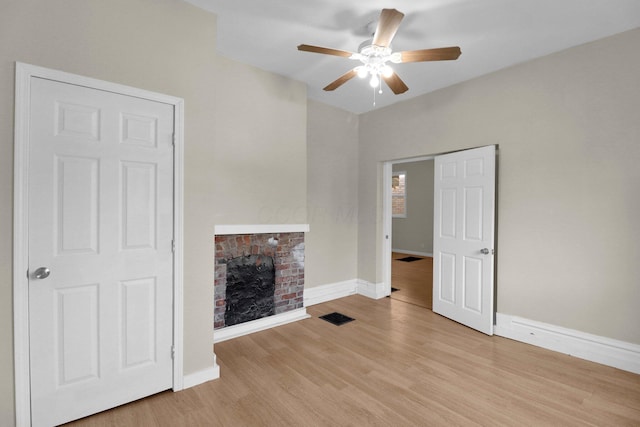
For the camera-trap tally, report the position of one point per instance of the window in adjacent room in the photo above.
(399, 194)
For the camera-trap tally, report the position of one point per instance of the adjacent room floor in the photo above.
(396, 364)
(413, 280)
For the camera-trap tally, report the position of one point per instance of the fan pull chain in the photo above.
(379, 90)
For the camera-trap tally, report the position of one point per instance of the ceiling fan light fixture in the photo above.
(362, 71)
(396, 57)
(375, 80)
(387, 71)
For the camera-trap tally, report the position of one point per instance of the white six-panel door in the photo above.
(463, 239)
(101, 223)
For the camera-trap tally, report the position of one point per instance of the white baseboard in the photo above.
(606, 351)
(196, 378)
(331, 291)
(372, 290)
(259, 325)
(404, 251)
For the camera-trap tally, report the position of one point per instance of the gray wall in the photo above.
(245, 131)
(415, 232)
(568, 131)
(332, 148)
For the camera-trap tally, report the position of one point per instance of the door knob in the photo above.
(485, 251)
(41, 273)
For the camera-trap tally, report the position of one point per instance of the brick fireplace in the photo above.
(258, 250)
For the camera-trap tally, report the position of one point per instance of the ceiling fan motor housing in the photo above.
(374, 59)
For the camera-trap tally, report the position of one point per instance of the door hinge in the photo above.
(173, 352)
(173, 246)
(173, 140)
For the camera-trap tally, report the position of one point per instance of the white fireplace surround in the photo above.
(266, 322)
(221, 230)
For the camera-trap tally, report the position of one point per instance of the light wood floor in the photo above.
(414, 280)
(397, 364)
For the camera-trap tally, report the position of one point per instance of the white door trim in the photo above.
(387, 225)
(24, 74)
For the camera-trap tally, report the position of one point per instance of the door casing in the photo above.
(24, 74)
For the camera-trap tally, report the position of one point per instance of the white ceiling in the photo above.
(492, 34)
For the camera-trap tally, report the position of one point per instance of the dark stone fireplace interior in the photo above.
(251, 284)
(244, 289)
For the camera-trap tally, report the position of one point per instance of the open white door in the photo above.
(463, 238)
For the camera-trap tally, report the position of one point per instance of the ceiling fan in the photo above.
(375, 53)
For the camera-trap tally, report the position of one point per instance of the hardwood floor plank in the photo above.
(397, 364)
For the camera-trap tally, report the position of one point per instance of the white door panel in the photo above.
(464, 217)
(101, 220)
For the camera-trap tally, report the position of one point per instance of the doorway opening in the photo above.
(410, 255)
(463, 235)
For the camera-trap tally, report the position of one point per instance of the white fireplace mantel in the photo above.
(220, 230)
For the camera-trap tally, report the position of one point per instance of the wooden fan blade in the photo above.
(341, 80)
(396, 84)
(439, 54)
(387, 26)
(324, 50)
